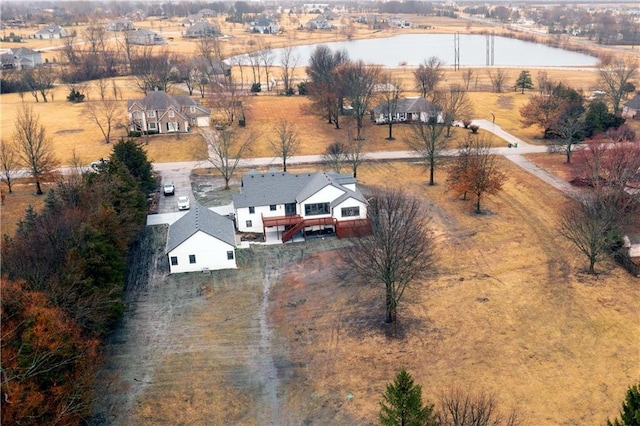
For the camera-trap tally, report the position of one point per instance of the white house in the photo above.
(407, 110)
(287, 204)
(631, 109)
(264, 25)
(319, 23)
(52, 32)
(160, 112)
(201, 240)
(20, 59)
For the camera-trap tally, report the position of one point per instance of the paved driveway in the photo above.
(180, 176)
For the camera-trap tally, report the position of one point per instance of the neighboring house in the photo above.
(202, 29)
(52, 32)
(160, 112)
(408, 110)
(20, 59)
(119, 25)
(632, 243)
(144, 37)
(398, 22)
(631, 109)
(207, 13)
(264, 25)
(191, 20)
(319, 23)
(201, 240)
(204, 69)
(287, 204)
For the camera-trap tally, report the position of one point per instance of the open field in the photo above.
(509, 311)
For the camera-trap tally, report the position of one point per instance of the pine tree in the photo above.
(402, 405)
(524, 81)
(630, 413)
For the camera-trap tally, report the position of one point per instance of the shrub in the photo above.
(474, 128)
(466, 123)
(75, 96)
(302, 88)
(256, 87)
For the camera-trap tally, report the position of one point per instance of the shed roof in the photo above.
(634, 103)
(202, 219)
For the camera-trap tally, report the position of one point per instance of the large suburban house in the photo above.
(285, 204)
(631, 109)
(160, 112)
(201, 240)
(408, 110)
(264, 25)
(202, 29)
(319, 23)
(119, 25)
(51, 32)
(20, 59)
(144, 37)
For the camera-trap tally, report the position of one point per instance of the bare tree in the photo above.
(39, 81)
(184, 73)
(101, 84)
(224, 150)
(238, 62)
(570, 129)
(289, 60)
(226, 101)
(458, 408)
(390, 94)
(428, 75)
(428, 140)
(455, 104)
(498, 79)
(592, 227)
(8, 161)
(354, 155)
(325, 88)
(266, 58)
(286, 143)
(358, 80)
(254, 62)
(106, 114)
(467, 76)
(399, 251)
(151, 72)
(335, 155)
(615, 78)
(34, 147)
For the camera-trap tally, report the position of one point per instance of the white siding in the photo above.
(242, 215)
(350, 202)
(210, 252)
(202, 121)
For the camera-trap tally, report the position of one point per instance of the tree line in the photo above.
(62, 287)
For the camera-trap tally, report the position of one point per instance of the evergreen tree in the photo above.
(402, 405)
(134, 157)
(630, 413)
(524, 81)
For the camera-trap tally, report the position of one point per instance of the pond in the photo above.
(412, 49)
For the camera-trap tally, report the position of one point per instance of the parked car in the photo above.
(183, 203)
(169, 189)
(99, 163)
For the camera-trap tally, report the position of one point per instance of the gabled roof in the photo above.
(203, 27)
(634, 103)
(51, 29)
(409, 105)
(263, 189)
(23, 51)
(160, 101)
(200, 219)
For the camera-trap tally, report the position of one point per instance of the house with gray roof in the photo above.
(52, 32)
(407, 110)
(20, 59)
(319, 23)
(264, 25)
(202, 29)
(144, 37)
(119, 25)
(631, 109)
(160, 112)
(285, 205)
(201, 240)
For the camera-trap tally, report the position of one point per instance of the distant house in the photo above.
(144, 37)
(319, 23)
(160, 112)
(201, 240)
(213, 67)
(191, 20)
(408, 110)
(207, 13)
(51, 32)
(264, 25)
(20, 59)
(285, 205)
(631, 109)
(202, 29)
(119, 25)
(632, 243)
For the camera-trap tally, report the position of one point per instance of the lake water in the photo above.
(412, 49)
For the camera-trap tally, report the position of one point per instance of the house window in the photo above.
(316, 209)
(152, 125)
(192, 110)
(350, 211)
(151, 113)
(252, 210)
(171, 114)
(249, 224)
(172, 126)
(174, 260)
(230, 255)
(192, 258)
(272, 207)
